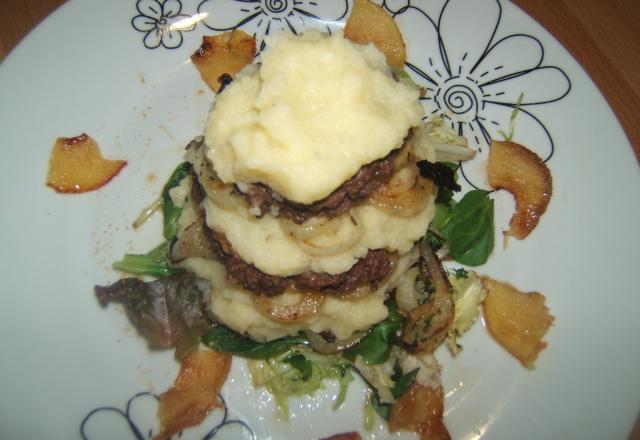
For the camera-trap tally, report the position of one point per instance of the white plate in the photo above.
(92, 67)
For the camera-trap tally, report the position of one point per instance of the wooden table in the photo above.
(603, 36)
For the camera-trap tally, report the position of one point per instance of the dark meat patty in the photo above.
(371, 271)
(360, 186)
(264, 200)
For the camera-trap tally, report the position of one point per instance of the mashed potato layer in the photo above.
(317, 110)
(235, 308)
(264, 243)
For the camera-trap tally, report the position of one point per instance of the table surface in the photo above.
(602, 35)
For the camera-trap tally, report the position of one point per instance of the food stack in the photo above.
(305, 202)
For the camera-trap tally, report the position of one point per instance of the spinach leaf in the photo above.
(223, 339)
(153, 263)
(299, 361)
(442, 215)
(468, 228)
(170, 211)
(376, 346)
(403, 383)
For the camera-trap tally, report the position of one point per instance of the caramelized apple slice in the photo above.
(517, 320)
(225, 53)
(369, 23)
(420, 410)
(194, 393)
(76, 165)
(521, 172)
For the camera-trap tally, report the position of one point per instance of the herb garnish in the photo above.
(154, 263)
(223, 339)
(170, 211)
(376, 346)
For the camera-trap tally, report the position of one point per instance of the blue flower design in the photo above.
(473, 79)
(162, 23)
(261, 17)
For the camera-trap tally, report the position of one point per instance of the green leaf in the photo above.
(460, 273)
(435, 241)
(223, 339)
(369, 415)
(469, 230)
(381, 408)
(298, 361)
(287, 375)
(153, 263)
(376, 346)
(442, 215)
(170, 211)
(345, 377)
(403, 383)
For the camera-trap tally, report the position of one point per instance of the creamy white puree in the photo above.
(233, 306)
(263, 242)
(317, 110)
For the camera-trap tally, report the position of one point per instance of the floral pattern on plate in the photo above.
(476, 82)
(133, 419)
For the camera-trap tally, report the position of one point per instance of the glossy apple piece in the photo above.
(369, 23)
(194, 393)
(521, 172)
(76, 165)
(225, 53)
(420, 410)
(517, 320)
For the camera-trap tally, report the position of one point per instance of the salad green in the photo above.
(153, 263)
(298, 372)
(468, 227)
(171, 213)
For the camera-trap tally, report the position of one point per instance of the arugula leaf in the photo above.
(170, 211)
(403, 383)
(224, 339)
(381, 408)
(468, 228)
(153, 263)
(376, 346)
(298, 361)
